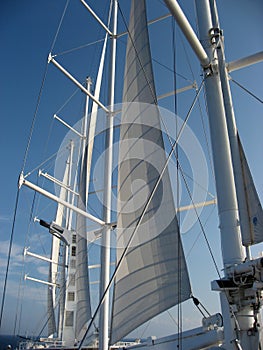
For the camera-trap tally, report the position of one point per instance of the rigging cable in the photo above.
(41, 164)
(34, 118)
(200, 306)
(200, 109)
(245, 89)
(79, 47)
(200, 223)
(172, 70)
(173, 319)
(207, 242)
(41, 89)
(187, 186)
(59, 26)
(200, 232)
(145, 329)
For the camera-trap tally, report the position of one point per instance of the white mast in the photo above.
(231, 125)
(105, 241)
(240, 322)
(238, 319)
(225, 186)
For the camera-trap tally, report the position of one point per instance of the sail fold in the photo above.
(153, 275)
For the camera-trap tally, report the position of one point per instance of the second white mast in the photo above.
(105, 241)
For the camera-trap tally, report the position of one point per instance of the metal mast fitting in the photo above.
(188, 31)
(23, 181)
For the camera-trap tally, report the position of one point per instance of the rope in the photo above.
(41, 164)
(171, 70)
(245, 89)
(34, 118)
(172, 318)
(59, 26)
(201, 225)
(187, 56)
(200, 232)
(195, 209)
(200, 108)
(145, 329)
(78, 47)
(68, 100)
(41, 90)
(189, 193)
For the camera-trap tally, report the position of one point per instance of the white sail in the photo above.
(83, 312)
(254, 208)
(78, 311)
(53, 269)
(153, 275)
(83, 294)
(93, 115)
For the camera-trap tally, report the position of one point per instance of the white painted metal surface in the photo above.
(188, 31)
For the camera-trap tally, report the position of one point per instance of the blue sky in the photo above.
(27, 30)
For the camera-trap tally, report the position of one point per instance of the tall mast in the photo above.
(239, 313)
(231, 125)
(225, 186)
(238, 317)
(105, 241)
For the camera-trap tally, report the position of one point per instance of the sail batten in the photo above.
(153, 274)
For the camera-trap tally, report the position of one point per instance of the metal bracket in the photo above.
(215, 34)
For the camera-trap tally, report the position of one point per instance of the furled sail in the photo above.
(53, 268)
(78, 322)
(93, 115)
(153, 275)
(254, 208)
(83, 293)
(83, 312)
